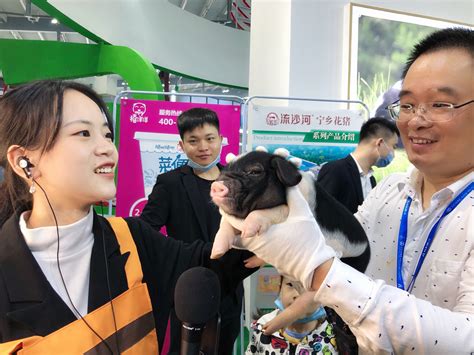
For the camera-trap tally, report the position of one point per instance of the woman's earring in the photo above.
(32, 187)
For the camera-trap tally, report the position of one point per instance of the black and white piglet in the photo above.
(258, 180)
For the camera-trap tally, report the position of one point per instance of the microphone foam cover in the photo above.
(197, 295)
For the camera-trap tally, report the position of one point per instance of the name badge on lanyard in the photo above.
(403, 231)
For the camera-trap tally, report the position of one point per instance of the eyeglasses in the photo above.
(432, 111)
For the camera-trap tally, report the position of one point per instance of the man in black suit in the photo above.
(180, 201)
(350, 179)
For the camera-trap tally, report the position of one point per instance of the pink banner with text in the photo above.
(149, 146)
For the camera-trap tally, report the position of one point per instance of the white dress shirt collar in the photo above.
(414, 180)
(361, 172)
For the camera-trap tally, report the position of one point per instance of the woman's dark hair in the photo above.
(31, 117)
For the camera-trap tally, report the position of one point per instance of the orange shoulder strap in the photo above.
(133, 266)
(132, 306)
(12, 347)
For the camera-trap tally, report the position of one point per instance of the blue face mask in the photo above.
(204, 168)
(296, 335)
(382, 162)
(279, 304)
(318, 313)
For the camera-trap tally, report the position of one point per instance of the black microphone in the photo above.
(197, 297)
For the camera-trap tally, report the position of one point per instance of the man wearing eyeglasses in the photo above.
(417, 295)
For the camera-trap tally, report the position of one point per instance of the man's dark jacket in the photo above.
(341, 179)
(177, 203)
(29, 305)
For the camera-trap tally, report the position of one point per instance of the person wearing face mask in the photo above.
(416, 296)
(311, 334)
(350, 179)
(72, 281)
(180, 201)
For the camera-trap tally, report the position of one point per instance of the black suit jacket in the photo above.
(177, 203)
(341, 179)
(30, 306)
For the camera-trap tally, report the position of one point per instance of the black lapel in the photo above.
(355, 176)
(373, 182)
(98, 284)
(197, 202)
(29, 292)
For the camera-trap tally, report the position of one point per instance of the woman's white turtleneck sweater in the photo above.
(75, 249)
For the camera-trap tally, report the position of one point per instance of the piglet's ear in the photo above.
(286, 172)
(282, 152)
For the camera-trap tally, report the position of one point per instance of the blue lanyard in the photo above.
(402, 236)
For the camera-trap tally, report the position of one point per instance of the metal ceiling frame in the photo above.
(20, 19)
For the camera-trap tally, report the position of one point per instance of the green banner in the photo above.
(349, 137)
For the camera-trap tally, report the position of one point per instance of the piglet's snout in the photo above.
(218, 192)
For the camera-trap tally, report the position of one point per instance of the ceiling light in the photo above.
(54, 21)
